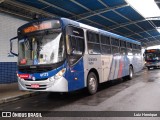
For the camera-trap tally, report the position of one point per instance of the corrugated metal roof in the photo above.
(111, 15)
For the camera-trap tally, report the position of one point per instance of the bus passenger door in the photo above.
(75, 51)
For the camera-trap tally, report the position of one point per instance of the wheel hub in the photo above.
(131, 73)
(92, 83)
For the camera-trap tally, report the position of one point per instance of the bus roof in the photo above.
(75, 23)
(66, 22)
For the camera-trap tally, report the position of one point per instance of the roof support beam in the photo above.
(125, 18)
(9, 12)
(97, 12)
(150, 37)
(119, 15)
(141, 32)
(91, 11)
(49, 4)
(125, 24)
(100, 14)
(28, 8)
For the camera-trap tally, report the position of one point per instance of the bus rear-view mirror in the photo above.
(13, 46)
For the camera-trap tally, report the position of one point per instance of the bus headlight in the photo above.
(60, 73)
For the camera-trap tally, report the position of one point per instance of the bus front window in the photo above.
(41, 49)
(152, 56)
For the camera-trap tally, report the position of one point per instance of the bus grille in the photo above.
(36, 88)
(36, 79)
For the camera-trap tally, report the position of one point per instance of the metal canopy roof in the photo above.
(112, 15)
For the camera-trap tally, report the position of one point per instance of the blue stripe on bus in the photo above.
(117, 71)
(76, 71)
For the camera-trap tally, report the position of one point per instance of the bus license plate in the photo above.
(34, 85)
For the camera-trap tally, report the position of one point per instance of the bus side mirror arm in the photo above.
(11, 46)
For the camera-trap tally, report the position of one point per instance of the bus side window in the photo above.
(123, 50)
(115, 45)
(115, 49)
(105, 45)
(115, 42)
(140, 47)
(129, 48)
(134, 49)
(74, 39)
(93, 43)
(75, 43)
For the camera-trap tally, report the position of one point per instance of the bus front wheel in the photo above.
(148, 68)
(92, 83)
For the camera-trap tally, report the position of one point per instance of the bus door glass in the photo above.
(75, 44)
(75, 50)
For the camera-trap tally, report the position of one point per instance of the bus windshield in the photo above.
(41, 49)
(152, 56)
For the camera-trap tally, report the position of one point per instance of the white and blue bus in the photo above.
(152, 58)
(62, 55)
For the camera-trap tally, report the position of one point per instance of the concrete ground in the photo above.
(139, 94)
(10, 92)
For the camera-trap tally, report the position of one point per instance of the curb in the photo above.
(15, 98)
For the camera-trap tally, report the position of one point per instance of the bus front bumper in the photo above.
(59, 85)
(153, 65)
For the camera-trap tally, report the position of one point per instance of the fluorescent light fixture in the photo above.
(158, 29)
(147, 8)
(154, 47)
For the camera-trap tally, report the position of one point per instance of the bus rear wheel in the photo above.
(130, 76)
(92, 83)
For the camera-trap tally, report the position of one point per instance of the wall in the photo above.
(8, 30)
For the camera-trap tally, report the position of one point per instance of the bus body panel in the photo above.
(126, 60)
(60, 85)
(119, 67)
(106, 65)
(43, 80)
(138, 63)
(94, 62)
(85, 58)
(73, 79)
(115, 66)
(75, 76)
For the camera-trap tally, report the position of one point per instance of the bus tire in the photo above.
(148, 68)
(130, 76)
(92, 83)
